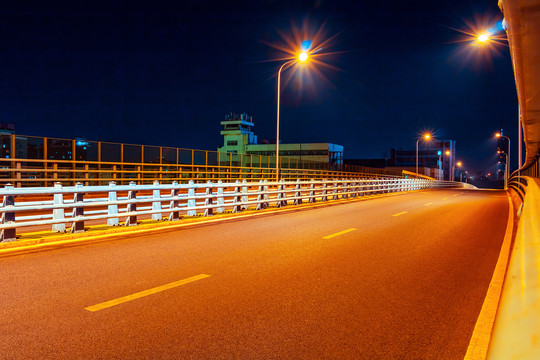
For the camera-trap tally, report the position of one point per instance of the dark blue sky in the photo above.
(166, 73)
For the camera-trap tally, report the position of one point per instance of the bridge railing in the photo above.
(29, 161)
(59, 206)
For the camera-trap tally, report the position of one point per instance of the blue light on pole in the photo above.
(306, 45)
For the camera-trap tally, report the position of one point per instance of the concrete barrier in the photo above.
(516, 333)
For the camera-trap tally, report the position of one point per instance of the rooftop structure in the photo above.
(238, 138)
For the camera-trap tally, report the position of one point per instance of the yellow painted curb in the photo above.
(479, 343)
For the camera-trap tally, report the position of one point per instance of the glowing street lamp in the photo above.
(426, 137)
(459, 164)
(484, 37)
(302, 58)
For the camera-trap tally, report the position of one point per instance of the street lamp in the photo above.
(426, 137)
(459, 164)
(302, 57)
(500, 135)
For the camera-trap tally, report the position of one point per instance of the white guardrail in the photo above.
(25, 207)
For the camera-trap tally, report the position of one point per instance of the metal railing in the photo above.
(29, 161)
(57, 206)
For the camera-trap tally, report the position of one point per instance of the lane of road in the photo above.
(396, 277)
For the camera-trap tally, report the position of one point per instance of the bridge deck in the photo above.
(394, 277)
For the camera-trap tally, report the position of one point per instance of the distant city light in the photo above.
(447, 152)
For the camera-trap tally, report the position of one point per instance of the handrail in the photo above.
(112, 202)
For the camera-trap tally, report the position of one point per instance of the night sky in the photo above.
(166, 73)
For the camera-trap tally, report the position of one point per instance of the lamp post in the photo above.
(500, 135)
(459, 164)
(426, 137)
(302, 57)
(450, 166)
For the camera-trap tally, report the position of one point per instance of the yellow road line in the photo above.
(445, 198)
(428, 204)
(141, 294)
(401, 213)
(455, 195)
(338, 233)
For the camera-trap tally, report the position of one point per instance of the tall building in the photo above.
(502, 159)
(238, 138)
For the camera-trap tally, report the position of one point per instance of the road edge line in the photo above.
(483, 329)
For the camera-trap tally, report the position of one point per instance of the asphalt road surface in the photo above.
(399, 277)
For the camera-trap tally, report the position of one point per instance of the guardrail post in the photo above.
(237, 198)
(312, 191)
(335, 190)
(131, 219)
(324, 191)
(156, 204)
(8, 217)
(298, 193)
(266, 195)
(208, 201)
(191, 203)
(58, 214)
(281, 196)
(245, 198)
(220, 198)
(173, 205)
(261, 204)
(113, 208)
(78, 212)
(345, 188)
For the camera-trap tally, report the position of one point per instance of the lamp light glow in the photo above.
(483, 37)
(303, 56)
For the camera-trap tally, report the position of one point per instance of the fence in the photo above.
(29, 161)
(57, 206)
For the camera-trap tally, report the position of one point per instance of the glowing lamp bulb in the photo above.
(483, 37)
(427, 136)
(303, 56)
(498, 134)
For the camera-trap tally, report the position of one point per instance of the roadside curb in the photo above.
(479, 343)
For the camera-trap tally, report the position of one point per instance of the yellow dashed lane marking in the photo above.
(445, 198)
(338, 233)
(456, 195)
(141, 294)
(401, 213)
(428, 204)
